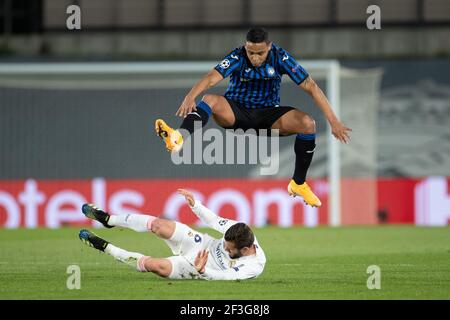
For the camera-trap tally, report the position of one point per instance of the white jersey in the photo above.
(220, 266)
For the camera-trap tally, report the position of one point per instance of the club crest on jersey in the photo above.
(225, 64)
(271, 71)
(190, 234)
(232, 263)
(223, 222)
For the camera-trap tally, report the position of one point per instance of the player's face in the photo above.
(233, 252)
(257, 52)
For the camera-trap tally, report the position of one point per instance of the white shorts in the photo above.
(185, 244)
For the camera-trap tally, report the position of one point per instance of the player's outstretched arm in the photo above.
(206, 215)
(211, 79)
(339, 130)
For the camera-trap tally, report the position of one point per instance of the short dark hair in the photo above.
(257, 35)
(240, 234)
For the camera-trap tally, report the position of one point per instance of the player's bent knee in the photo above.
(308, 124)
(163, 228)
(157, 225)
(161, 267)
(210, 99)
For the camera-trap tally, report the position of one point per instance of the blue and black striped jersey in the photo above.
(257, 87)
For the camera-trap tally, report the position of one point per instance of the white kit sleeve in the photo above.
(210, 218)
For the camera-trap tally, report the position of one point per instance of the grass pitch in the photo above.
(319, 263)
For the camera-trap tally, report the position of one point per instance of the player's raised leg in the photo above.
(173, 233)
(211, 105)
(173, 138)
(138, 222)
(93, 212)
(301, 124)
(178, 236)
(138, 261)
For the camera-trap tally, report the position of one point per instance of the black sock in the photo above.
(304, 151)
(202, 114)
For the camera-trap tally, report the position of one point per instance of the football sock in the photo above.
(202, 114)
(136, 222)
(304, 151)
(133, 259)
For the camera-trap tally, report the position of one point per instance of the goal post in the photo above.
(165, 74)
(334, 172)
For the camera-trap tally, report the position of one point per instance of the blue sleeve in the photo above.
(230, 63)
(291, 67)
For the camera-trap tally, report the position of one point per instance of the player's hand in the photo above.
(340, 131)
(188, 195)
(187, 106)
(200, 261)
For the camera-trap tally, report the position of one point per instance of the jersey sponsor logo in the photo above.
(225, 64)
(197, 238)
(234, 57)
(219, 256)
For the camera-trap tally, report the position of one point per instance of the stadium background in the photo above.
(71, 137)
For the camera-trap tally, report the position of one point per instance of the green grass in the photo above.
(319, 263)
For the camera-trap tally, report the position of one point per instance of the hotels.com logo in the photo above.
(52, 204)
(63, 206)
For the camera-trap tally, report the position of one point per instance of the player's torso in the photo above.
(219, 259)
(255, 86)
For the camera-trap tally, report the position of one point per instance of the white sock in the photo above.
(136, 222)
(127, 257)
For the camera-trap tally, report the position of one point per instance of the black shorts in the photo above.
(261, 118)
